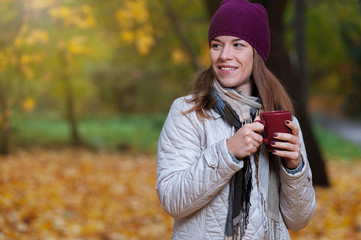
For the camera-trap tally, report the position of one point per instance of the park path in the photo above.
(345, 128)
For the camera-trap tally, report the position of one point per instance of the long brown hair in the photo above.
(270, 89)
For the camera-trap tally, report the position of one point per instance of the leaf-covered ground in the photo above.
(75, 195)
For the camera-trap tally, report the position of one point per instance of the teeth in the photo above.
(227, 68)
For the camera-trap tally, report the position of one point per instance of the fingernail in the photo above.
(275, 134)
(274, 151)
(273, 143)
(287, 122)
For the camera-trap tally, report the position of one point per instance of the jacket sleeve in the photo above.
(297, 195)
(189, 177)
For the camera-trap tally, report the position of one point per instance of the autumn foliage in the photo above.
(78, 194)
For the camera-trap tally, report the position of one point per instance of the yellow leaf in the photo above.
(133, 12)
(38, 36)
(25, 59)
(138, 10)
(144, 42)
(204, 58)
(178, 56)
(76, 45)
(28, 104)
(40, 4)
(133, 20)
(124, 19)
(62, 12)
(83, 17)
(18, 42)
(28, 72)
(37, 57)
(127, 36)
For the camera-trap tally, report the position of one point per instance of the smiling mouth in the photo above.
(227, 68)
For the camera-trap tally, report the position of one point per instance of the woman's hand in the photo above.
(246, 140)
(290, 148)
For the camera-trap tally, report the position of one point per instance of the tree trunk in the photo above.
(10, 28)
(300, 8)
(69, 102)
(212, 6)
(294, 80)
(279, 63)
(4, 124)
(317, 163)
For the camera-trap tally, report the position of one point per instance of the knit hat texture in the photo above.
(247, 21)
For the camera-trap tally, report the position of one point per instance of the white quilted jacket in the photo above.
(193, 173)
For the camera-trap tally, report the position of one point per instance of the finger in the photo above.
(257, 127)
(286, 146)
(253, 148)
(258, 138)
(286, 137)
(248, 149)
(254, 135)
(287, 154)
(251, 128)
(293, 127)
(253, 142)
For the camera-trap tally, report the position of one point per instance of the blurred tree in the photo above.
(152, 63)
(212, 6)
(20, 40)
(334, 54)
(351, 34)
(11, 21)
(176, 27)
(71, 19)
(295, 81)
(140, 54)
(65, 77)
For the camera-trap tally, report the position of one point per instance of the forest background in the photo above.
(100, 76)
(76, 63)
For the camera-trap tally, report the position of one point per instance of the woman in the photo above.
(214, 175)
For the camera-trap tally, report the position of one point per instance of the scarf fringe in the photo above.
(271, 227)
(273, 231)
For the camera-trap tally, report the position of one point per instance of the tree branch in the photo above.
(175, 25)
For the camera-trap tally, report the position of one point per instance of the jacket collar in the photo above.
(214, 114)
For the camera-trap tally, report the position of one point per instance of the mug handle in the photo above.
(265, 140)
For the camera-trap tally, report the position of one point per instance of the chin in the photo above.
(227, 84)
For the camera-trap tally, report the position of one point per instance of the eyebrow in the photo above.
(234, 40)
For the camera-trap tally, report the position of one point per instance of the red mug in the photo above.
(274, 122)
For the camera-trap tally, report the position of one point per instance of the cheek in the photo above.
(249, 60)
(213, 57)
(250, 65)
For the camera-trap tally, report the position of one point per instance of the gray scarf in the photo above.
(237, 110)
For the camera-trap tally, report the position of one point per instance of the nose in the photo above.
(226, 53)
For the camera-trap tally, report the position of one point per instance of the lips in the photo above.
(227, 68)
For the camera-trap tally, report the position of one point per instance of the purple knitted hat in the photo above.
(247, 21)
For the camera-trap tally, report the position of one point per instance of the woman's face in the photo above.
(232, 61)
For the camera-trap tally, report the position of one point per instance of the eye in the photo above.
(216, 45)
(238, 45)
